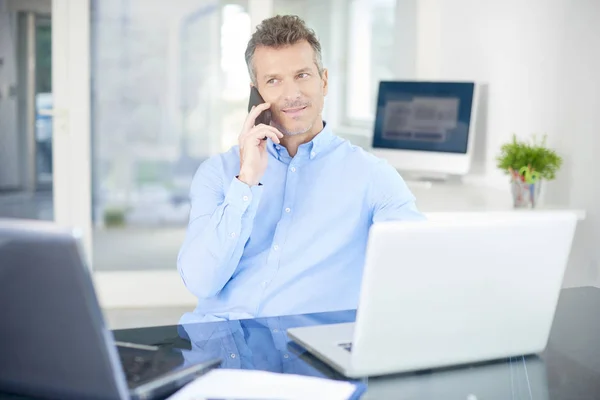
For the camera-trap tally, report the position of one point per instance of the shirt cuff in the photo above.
(243, 197)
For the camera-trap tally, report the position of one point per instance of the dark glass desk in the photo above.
(568, 369)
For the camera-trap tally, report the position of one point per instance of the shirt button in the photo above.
(275, 330)
(276, 247)
(265, 283)
(232, 234)
(293, 169)
(313, 154)
(232, 355)
(287, 210)
(245, 198)
(286, 356)
(278, 147)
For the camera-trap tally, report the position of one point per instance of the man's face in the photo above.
(288, 78)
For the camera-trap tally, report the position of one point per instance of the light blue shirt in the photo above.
(294, 244)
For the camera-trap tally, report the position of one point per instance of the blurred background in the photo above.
(108, 107)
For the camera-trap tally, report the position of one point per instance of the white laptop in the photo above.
(456, 289)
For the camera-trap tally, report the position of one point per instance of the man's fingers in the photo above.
(263, 144)
(259, 108)
(261, 132)
(270, 128)
(268, 133)
(253, 114)
(258, 136)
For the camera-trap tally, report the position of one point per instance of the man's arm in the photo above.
(390, 198)
(221, 218)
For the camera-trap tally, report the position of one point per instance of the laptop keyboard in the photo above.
(141, 365)
(346, 346)
(137, 364)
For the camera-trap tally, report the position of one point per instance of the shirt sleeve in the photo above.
(390, 198)
(221, 218)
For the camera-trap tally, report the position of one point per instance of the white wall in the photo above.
(9, 138)
(510, 45)
(579, 132)
(541, 60)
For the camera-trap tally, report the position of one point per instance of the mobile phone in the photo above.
(256, 99)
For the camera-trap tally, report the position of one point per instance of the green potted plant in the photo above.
(114, 217)
(528, 164)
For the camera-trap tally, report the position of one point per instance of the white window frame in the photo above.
(359, 41)
(71, 117)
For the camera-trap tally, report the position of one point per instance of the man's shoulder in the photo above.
(221, 160)
(217, 166)
(361, 156)
(233, 154)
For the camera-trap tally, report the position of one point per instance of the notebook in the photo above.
(235, 384)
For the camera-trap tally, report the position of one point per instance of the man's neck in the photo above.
(292, 142)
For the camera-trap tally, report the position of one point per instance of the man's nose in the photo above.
(291, 90)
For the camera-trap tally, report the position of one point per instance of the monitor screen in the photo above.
(424, 116)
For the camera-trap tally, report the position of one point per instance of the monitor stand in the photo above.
(428, 179)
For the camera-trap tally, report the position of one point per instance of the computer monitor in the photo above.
(426, 127)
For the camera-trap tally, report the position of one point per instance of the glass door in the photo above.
(25, 98)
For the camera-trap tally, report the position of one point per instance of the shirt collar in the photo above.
(319, 144)
(322, 141)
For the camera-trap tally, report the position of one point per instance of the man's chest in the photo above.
(310, 199)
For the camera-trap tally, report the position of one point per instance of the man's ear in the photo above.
(325, 78)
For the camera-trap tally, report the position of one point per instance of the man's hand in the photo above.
(253, 149)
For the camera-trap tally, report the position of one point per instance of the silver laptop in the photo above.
(53, 339)
(456, 289)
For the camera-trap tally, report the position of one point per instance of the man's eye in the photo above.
(303, 75)
(271, 81)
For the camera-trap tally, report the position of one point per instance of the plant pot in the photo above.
(525, 195)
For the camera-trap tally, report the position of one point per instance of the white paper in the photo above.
(250, 384)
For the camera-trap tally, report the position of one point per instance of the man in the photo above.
(279, 224)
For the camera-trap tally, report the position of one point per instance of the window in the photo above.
(170, 89)
(370, 56)
(235, 33)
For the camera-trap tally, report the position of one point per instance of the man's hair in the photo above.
(281, 31)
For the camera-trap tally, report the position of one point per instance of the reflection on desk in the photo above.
(257, 343)
(262, 344)
(568, 369)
